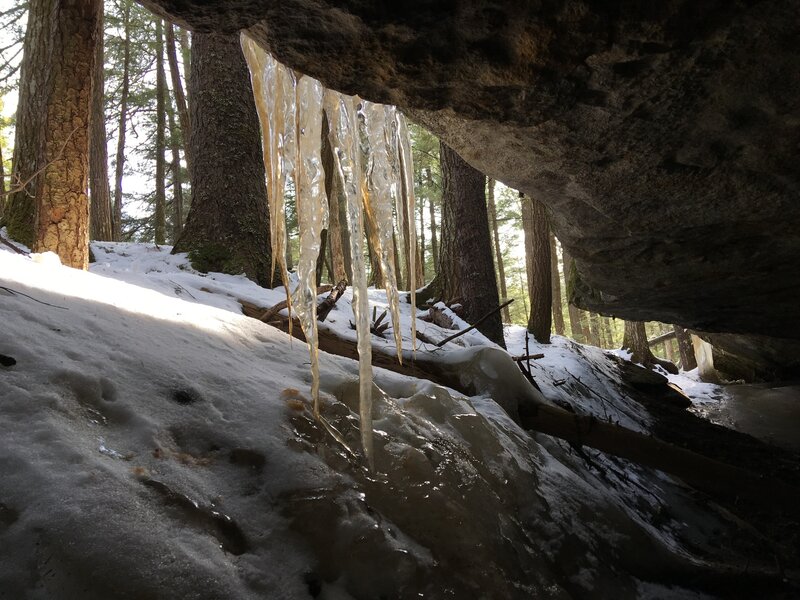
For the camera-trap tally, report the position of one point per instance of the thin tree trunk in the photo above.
(2, 183)
(685, 348)
(537, 260)
(100, 191)
(558, 314)
(227, 228)
(421, 270)
(123, 123)
(466, 271)
(177, 87)
(177, 176)
(434, 241)
(498, 255)
(160, 226)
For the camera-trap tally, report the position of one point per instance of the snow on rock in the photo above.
(158, 444)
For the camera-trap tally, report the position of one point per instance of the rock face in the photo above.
(664, 138)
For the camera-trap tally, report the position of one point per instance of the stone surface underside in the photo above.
(663, 137)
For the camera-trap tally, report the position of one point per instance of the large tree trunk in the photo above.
(123, 122)
(177, 88)
(466, 271)
(51, 151)
(537, 261)
(635, 342)
(160, 225)
(558, 314)
(227, 228)
(498, 254)
(99, 189)
(685, 348)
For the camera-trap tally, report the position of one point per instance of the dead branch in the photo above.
(474, 325)
(13, 247)
(16, 293)
(527, 357)
(328, 303)
(270, 313)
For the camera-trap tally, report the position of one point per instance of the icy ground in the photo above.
(156, 443)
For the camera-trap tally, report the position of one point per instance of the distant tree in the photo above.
(537, 257)
(498, 255)
(123, 119)
(685, 348)
(51, 150)
(558, 314)
(227, 228)
(573, 312)
(635, 342)
(160, 216)
(466, 271)
(102, 227)
(177, 85)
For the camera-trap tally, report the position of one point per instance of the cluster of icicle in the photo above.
(372, 159)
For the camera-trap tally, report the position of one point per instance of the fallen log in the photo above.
(328, 303)
(714, 477)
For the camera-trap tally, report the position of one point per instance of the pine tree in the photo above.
(227, 228)
(466, 271)
(537, 253)
(498, 255)
(102, 227)
(558, 314)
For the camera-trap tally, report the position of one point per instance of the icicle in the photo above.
(378, 203)
(407, 172)
(312, 215)
(396, 186)
(273, 91)
(343, 134)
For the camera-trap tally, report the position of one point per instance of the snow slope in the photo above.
(158, 444)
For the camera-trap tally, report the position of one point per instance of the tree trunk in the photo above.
(51, 154)
(177, 88)
(498, 255)
(537, 261)
(2, 182)
(177, 176)
(123, 122)
(333, 191)
(635, 342)
(421, 270)
(573, 312)
(227, 228)
(160, 225)
(466, 272)
(558, 314)
(685, 348)
(434, 240)
(99, 190)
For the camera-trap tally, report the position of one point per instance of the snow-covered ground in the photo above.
(156, 443)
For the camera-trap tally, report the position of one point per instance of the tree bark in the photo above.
(123, 122)
(160, 225)
(421, 270)
(177, 88)
(434, 240)
(51, 154)
(558, 314)
(333, 191)
(2, 183)
(685, 348)
(101, 227)
(635, 342)
(466, 271)
(227, 228)
(537, 261)
(498, 255)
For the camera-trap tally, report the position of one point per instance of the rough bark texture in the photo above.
(498, 254)
(434, 234)
(123, 122)
(635, 342)
(537, 261)
(660, 136)
(466, 271)
(573, 311)
(177, 176)
(52, 138)
(227, 228)
(558, 314)
(99, 189)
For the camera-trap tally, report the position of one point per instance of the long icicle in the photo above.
(378, 202)
(271, 84)
(312, 215)
(407, 169)
(343, 134)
